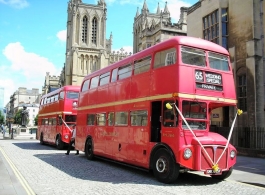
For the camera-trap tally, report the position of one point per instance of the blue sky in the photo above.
(32, 36)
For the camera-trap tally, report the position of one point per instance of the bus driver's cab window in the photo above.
(170, 116)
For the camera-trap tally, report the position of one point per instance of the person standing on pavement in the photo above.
(3, 130)
(72, 141)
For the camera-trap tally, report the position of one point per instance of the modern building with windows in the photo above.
(239, 27)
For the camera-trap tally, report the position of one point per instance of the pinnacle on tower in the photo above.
(145, 8)
(166, 11)
(158, 9)
(137, 12)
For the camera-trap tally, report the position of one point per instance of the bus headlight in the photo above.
(187, 153)
(233, 154)
(66, 136)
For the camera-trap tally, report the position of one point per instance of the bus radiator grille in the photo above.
(214, 153)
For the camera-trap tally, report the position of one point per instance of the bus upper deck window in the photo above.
(165, 58)
(193, 56)
(219, 62)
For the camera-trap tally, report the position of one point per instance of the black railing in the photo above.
(245, 137)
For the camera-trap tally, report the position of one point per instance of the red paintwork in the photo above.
(60, 107)
(134, 141)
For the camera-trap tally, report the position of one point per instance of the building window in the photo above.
(224, 28)
(242, 92)
(84, 30)
(94, 31)
(211, 27)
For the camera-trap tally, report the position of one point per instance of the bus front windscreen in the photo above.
(195, 114)
(72, 95)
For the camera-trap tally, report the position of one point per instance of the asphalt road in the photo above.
(47, 170)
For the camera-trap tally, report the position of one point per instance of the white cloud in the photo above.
(26, 70)
(127, 49)
(62, 35)
(19, 4)
(174, 8)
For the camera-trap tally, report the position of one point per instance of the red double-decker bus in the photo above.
(152, 110)
(57, 112)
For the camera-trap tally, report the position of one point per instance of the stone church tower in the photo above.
(152, 28)
(87, 49)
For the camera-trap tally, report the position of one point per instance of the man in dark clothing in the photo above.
(72, 141)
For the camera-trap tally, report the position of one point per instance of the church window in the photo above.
(94, 31)
(84, 30)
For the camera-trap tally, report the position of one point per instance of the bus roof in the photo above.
(64, 88)
(176, 40)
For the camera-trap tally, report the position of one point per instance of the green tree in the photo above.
(1, 118)
(18, 116)
(36, 120)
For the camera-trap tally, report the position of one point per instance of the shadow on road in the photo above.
(34, 146)
(104, 171)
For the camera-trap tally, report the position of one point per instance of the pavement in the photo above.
(13, 183)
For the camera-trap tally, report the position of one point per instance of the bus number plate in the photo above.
(211, 172)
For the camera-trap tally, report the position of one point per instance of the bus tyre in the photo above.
(89, 149)
(41, 139)
(59, 143)
(224, 175)
(164, 167)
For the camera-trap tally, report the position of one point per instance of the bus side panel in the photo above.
(123, 88)
(102, 94)
(93, 96)
(109, 140)
(82, 130)
(120, 144)
(140, 85)
(111, 92)
(53, 133)
(139, 145)
(99, 133)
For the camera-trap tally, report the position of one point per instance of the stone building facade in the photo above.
(151, 28)
(239, 27)
(51, 83)
(24, 97)
(87, 48)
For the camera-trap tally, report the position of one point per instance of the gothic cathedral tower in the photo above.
(152, 28)
(87, 48)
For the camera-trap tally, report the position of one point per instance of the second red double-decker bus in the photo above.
(152, 109)
(57, 112)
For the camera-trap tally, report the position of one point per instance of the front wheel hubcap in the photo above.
(161, 165)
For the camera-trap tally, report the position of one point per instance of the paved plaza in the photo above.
(44, 170)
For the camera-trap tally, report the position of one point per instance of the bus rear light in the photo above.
(187, 153)
(233, 154)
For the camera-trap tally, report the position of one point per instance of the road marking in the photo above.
(22, 180)
(248, 167)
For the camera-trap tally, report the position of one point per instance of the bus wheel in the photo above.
(164, 167)
(59, 144)
(89, 149)
(41, 139)
(224, 175)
